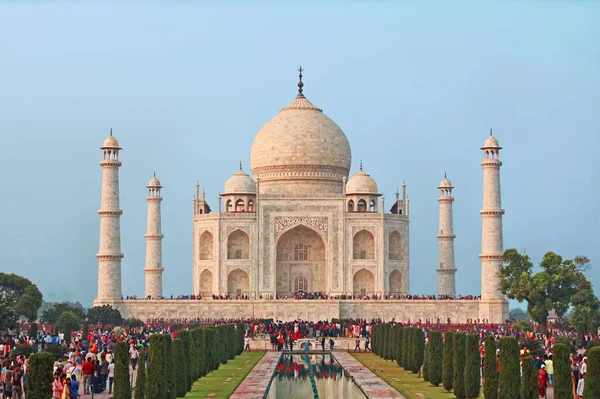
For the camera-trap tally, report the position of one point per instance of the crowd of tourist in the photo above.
(301, 295)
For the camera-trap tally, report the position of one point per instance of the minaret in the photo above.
(153, 268)
(491, 221)
(109, 254)
(446, 270)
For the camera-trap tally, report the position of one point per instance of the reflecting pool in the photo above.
(293, 379)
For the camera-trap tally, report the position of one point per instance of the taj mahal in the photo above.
(298, 223)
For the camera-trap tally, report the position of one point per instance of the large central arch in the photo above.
(301, 262)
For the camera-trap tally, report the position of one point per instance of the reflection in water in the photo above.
(292, 379)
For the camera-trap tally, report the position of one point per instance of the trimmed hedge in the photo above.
(563, 382)
(178, 361)
(385, 343)
(40, 376)
(156, 382)
(399, 341)
(472, 361)
(510, 375)
(185, 337)
(391, 350)
(170, 373)
(140, 381)
(458, 382)
(417, 350)
(490, 375)
(406, 338)
(436, 355)
(448, 366)
(592, 380)
(529, 379)
(426, 364)
(122, 388)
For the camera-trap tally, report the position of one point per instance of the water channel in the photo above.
(295, 380)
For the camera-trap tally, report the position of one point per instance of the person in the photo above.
(57, 387)
(550, 369)
(542, 381)
(323, 343)
(8, 377)
(104, 372)
(367, 342)
(306, 347)
(357, 346)
(247, 342)
(331, 343)
(66, 383)
(88, 370)
(134, 354)
(97, 382)
(74, 387)
(581, 386)
(111, 375)
(17, 383)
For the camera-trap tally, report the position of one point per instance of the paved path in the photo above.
(256, 383)
(373, 386)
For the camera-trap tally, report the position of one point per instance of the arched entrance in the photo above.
(238, 283)
(363, 283)
(301, 262)
(206, 283)
(395, 282)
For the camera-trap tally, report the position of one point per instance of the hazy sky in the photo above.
(186, 86)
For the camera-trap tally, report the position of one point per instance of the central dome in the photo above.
(303, 147)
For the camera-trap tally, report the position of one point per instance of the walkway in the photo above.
(256, 384)
(373, 386)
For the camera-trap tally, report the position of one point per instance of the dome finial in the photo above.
(240, 164)
(154, 173)
(491, 132)
(361, 165)
(445, 175)
(111, 132)
(300, 84)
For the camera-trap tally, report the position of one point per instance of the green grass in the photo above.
(405, 382)
(215, 382)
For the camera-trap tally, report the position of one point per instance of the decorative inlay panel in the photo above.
(284, 223)
(370, 229)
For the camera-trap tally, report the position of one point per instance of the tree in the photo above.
(510, 375)
(552, 288)
(391, 347)
(133, 323)
(458, 382)
(68, 322)
(417, 350)
(436, 354)
(472, 361)
(51, 314)
(122, 387)
(518, 314)
(156, 381)
(33, 330)
(19, 297)
(171, 382)
(86, 329)
(523, 325)
(592, 380)
(426, 364)
(185, 337)
(385, 328)
(40, 376)
(563, 382)
(104, 315)
(585, 316)
(528, 379)
(399, 342)
(448, 366)
(490, 375)
(178, 361)
(140, 380)
(406, 348)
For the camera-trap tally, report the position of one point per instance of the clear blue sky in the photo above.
(186, 86)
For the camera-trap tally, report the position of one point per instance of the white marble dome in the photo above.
(111, 142)
(491, 142)
(240, 183)
(445, 183)
(301, 142)
(361, 183)
(154, 182)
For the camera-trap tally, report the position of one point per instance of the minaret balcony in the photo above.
(491, 212)
(109, 257)
(102, 212)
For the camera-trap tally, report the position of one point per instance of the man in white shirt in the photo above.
(111, 376)
(133, 354)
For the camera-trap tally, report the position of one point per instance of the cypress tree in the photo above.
(472, 362)
(406, 348)
(529, 379)
(510, 375)
(210, 349)
(374, 338)
(40, 376)
(436, 355)
(592, 379)
(417, 350)
(448, 366)
(140, 380)
(490, 375)
(33, 330)
(399, 341)
(241, 332)
(170, 371)
(185, 337)
(563, 382)
(86, 329)
(200, 361)
(156, 381)
(385, 329)
(458, 382)
(391, 349)
(122, 387)
(426, 364)
(178, 361)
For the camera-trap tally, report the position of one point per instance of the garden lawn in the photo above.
(405, 382)
(225, 380)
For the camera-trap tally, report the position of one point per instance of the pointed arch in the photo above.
(206, 244)
(395, 246)
(395, 282)
(239, 206)
(363, 245)
(228, 206)
(238, 245)
(350, 206)
(206, 283)
(363, 283)
(362, 206)
(238, 283)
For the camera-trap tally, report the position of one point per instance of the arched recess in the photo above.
(206, 283)
(238, 283)
(206, 246)
(363, 245)
(228, 206)
(301, 252)
(362, 206)
(350, 206)
(239, 205)
(250, 206)
(363, 283)
(395, 282)
(395, 243)
(238, 245)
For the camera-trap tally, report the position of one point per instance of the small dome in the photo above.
(240, 183)
(154, 182)
(361, 183)
(445, 183)
(491, 142)
(110, 142)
